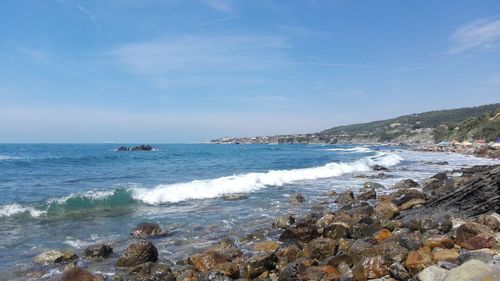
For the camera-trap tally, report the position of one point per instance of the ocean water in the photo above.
(69, 196)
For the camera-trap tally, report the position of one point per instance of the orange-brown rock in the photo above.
(475, 236)
(370, 268)
(383, 234)
(79, 274)
(228, 268)
(418, 260)
(449, 255)
(439, 241)
(266, 246)
(207, 260)
(323, 273)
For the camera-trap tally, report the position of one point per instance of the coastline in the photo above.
(372, 234)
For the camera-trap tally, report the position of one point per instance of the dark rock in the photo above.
(98, 251)
(342, 258)
(234, 196)
(206, 261)
(374, 185)
(135, 148)
(152, 271)
(79, 274)
(320, 273)
(481, 256)
(367, 195)
(370, 268)
(345, 197)
(320, 248)
(147, 229)
(386, 210)
(399, 272)
(379, 168)
(291, 272)
(138, 253)
(54, 257)
(406, 183)
(474, 236)
(257, 265)
(297, 198)
(336, 230)
(214, 276)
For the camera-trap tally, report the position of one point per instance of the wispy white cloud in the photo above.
(481, 33)
(91, 16)
(223, 6)
(37, 55)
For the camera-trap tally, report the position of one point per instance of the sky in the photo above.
(192, 70)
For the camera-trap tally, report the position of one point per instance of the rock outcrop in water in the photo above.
(136, 148)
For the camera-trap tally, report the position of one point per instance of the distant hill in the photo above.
(461, 123)
(469, 123)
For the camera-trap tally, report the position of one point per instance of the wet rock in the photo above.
(336, 230)
(374, 185)
(187, 275)
(345, 271)
(335, 261)
(481, 256)
(291, 272)
(386, 210)
(345, 197)
(214, 276)
(445, 255)
(379, 168)
(331, 193)
(234, 196)
(297, 198)
(207, 260)
(98, 251)
(147, 229)
(138, 253)
(472, 270)
(79, 274)
(474, 236)
(399, 272)
(54, 256)
(304, 231)
(320, 248)
(324, 221)
(432, 273)
(370, 268)
(266, 246)
(229, 269)
(368, 194)
(382, 235)
(320, 273)
(284, 221)
(152, 271)
(257, 265)
(413, 203)
(135, 148)
(418, 260)
(406, 183)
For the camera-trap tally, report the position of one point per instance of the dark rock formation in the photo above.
(138, 253)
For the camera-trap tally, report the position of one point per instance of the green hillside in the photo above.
(452, 124)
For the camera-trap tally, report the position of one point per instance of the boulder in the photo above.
(377, 167)
(418, 260)
(492, 221)
(320, 273)
(439, 241)
(55, 256)
(336, 230)
(370, 268)
(98, 251)
(266, 246)
(320, 248)
(206, 261)
(475, 236)
(152, 271)
(472, 270)
(445, 255)
(413, 203)
(138, 253)
(283, 221)
(345, 197)
(432, 273)
(79, 274)
(406, 183)
(367, 194)
(147, 229)
(213, 276)
(297, 198)
(230, 269)
(399, 272)
(386, 210)
(135, 148)
(256, 265)
(374, 185)
(382, 235)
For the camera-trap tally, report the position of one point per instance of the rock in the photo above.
(152, 271)
(370, 268)
(447, 255)
(79, 274)
(266, 246)
(135, 148)
(147, 229)
(320, 248)
(406, 183)
(492, 221)
(475, 236)
(324, 221)
(214, 276)
(386, 210)
(284, 221)
(470, 270)
(257, 265)
(345, 197)
(138, 253)
(291, 272)
(288, 253)
(374, 185)
(382, 235)
(187, 275)
(367, 195)
(320, 273)
(336, 230)
(418, 260)
(412, 204)
(234, 196)
(54, 256)
(297, 198)
(98, 251)
(379, 168)
(229, 269)
(207, 260)
(335, 261)
(399, 272)
(439, 241)
(481, 256)
(331, 193)
(432, 273)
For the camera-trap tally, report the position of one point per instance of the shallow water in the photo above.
(71, 196)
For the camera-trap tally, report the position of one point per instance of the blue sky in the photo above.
(187, 71)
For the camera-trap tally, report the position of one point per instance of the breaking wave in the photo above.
(197, 189)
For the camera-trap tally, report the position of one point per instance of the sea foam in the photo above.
(211, 188)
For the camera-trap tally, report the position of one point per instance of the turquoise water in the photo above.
(70, 196)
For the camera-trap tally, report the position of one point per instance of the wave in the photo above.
(197, 189)
(6, 157)
(358, 149)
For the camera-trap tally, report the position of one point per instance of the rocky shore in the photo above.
(445, 228)
(490, 150)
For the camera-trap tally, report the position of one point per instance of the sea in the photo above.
(70, 196)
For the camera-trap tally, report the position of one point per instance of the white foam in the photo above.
(211, 188)
(14, 209)
(358, 149)
(6, 157)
